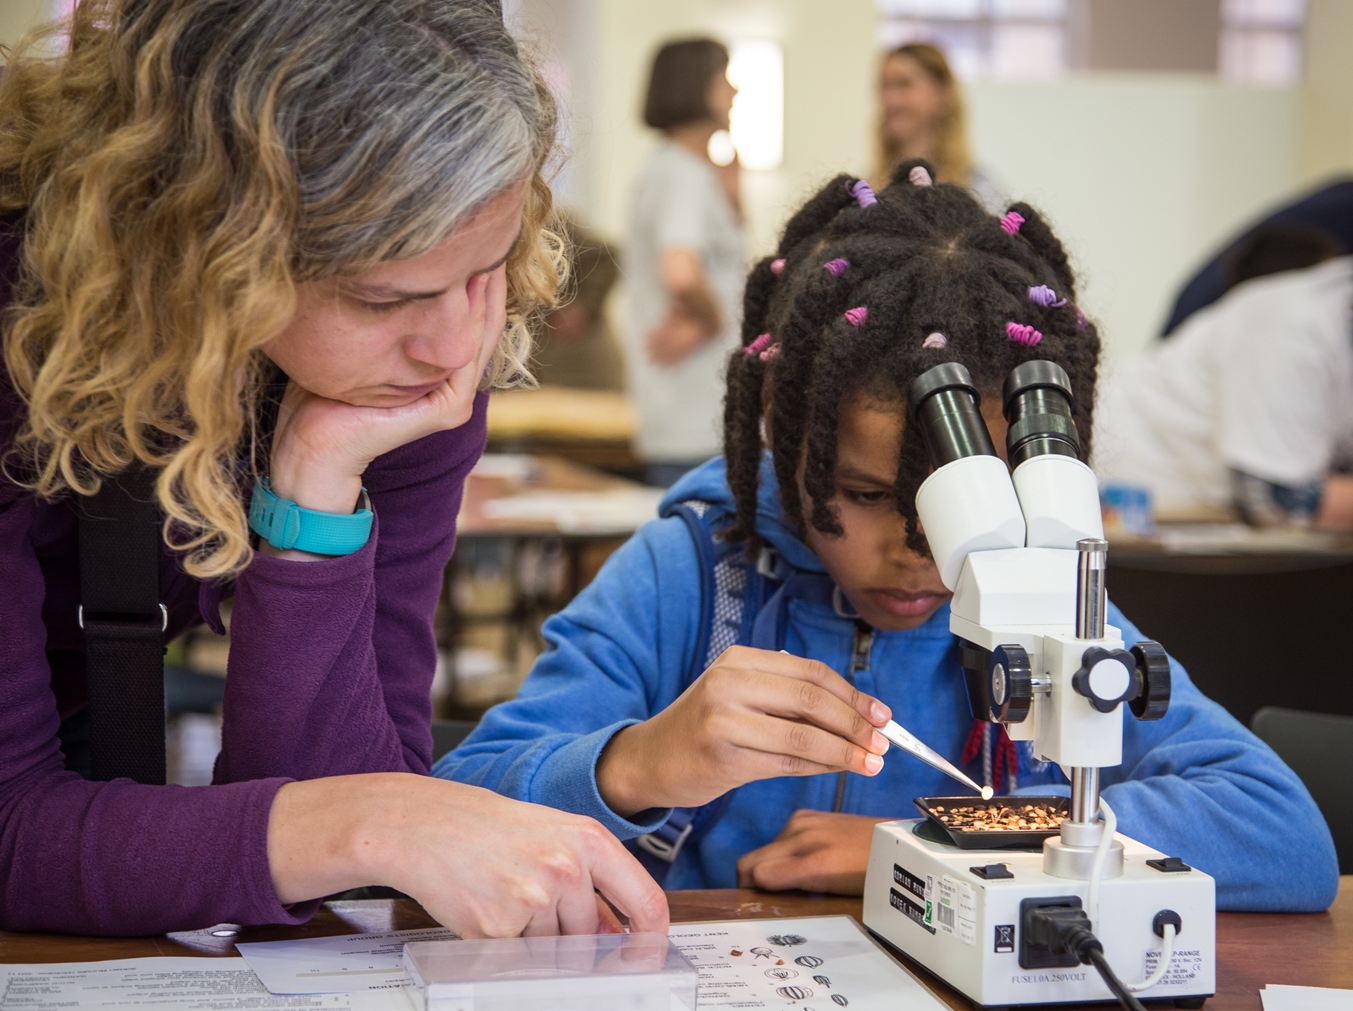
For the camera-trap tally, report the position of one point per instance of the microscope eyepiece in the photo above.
(1037, 403)
(944, 402)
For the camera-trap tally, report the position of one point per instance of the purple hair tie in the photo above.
(863, 193)
(1011, 222)
(1022, 334)
(857, 316)
(836, 267)
(777, 267)
(1045, 296)
(1081, 321)
(757, 345)
(935, 340)
(918, 176)
(770, 352)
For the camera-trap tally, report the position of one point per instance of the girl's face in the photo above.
(392, 334)
(912, 100)
(892, 587)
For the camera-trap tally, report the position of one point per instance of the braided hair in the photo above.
(865, 293)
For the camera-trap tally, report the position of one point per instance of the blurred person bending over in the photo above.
(577, 347)
(1249, 404)
(921, 116)
(683, 264)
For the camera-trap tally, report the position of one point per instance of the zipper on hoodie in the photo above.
(861, 646)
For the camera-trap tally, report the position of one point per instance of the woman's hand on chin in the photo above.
(322, 446)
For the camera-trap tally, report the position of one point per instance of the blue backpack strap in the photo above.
(731, 592)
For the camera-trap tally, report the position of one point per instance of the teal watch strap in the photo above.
(285, 525)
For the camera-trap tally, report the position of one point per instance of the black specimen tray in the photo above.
(936, 831)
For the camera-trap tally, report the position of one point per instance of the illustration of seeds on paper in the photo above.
(823, 980)
(735, 953)
(808, 961)
(781, 974)
(794, 992)
(763, 953)
(839, 999)
(787, 940)
(779, 961)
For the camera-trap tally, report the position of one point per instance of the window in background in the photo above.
(1261, 41)
(1006, 39)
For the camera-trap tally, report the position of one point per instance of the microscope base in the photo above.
(925, 899)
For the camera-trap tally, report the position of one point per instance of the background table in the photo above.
(1253, 949)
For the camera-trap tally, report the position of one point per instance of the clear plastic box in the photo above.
(626, 972)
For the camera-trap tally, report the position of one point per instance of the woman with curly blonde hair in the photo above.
(921, 115)
(273, 252)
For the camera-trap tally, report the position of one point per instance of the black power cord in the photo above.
(1065, 930)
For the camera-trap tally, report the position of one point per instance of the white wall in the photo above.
(1141, 175)
(18, 16)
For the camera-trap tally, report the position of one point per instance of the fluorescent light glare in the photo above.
(756, 67)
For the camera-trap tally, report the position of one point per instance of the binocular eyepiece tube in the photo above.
(1037, 403)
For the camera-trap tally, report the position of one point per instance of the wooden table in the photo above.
(1253, 949)
(590, 426)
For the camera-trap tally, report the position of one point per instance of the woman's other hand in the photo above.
(754, 714)
(693, 316)
(482, 864)
(817, 851)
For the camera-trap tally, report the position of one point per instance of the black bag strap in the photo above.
(124, 625)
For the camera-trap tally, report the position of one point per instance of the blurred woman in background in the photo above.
(683, 264)
(921, 116)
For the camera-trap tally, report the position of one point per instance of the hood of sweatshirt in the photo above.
(709, 483)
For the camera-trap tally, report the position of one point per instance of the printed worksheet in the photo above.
(814, 963)
(168, 984)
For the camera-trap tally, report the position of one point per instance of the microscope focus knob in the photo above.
(1107, 677)
(1154, 667)
(1010, 678)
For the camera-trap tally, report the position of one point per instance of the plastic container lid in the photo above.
(634, 972)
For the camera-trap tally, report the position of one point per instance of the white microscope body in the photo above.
(1025, 558)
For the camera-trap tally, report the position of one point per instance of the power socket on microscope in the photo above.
(1037, 949)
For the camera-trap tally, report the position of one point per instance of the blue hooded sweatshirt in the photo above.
(1195, 784)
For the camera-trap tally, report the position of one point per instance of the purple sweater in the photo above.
(330, 669)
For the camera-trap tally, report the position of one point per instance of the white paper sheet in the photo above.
(167, 984)
(336, 964)
(1305, 998)
(811, 963)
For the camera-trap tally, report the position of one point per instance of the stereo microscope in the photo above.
(1025, 557)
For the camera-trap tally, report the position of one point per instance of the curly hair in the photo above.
(183, 164)
(922, 260)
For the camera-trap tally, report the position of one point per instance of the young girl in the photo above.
(649, 699)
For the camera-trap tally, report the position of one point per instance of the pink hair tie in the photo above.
(836, 267)
(918, 176)
(757, 345)
(777, 267)
(863, 193)
(1021, 334)
(1011, 222)
(1045, 296)
(857, 316)
(1081, 321)
(770, 352)
(935, 340)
